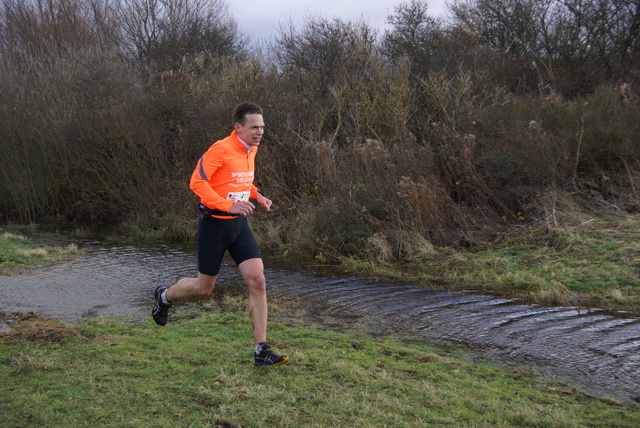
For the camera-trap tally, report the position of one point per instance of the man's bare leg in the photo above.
(202, 285)
(253, 272)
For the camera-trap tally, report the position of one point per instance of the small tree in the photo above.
(413, 36)
(322, 51)
(161, 34)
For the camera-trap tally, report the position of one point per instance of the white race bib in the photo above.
(239, 196)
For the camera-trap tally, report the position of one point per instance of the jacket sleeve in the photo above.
(207, 165)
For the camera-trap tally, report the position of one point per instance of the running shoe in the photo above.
(268, 358)
(160, 311)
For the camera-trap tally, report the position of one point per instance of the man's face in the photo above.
(251, 131)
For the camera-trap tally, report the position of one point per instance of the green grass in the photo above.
(198, 372)
(17, 250)
(597, 263)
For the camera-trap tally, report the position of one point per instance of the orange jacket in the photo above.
(224, 174)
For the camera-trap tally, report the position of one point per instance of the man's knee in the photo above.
(205, 284)
(201, 291)
(256, 281)
(253, 273)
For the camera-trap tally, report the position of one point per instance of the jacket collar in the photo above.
(248, 148)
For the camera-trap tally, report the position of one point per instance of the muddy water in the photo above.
(594, 350)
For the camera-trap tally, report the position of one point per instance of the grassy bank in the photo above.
(595, 263)
(17, 251)
(198, 372)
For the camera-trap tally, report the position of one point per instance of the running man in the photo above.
(223, 179)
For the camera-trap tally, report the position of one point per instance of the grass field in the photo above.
(198, 372)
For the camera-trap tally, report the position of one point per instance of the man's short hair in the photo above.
(243, 109)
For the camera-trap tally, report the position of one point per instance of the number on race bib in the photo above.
(238, 196)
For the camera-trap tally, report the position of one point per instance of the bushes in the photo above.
(369, 157)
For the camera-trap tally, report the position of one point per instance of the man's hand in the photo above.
(264, 202)
(242, 208)
(245, 207)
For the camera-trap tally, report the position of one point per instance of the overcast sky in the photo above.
(259, 19)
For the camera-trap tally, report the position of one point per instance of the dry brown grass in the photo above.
(35, 328)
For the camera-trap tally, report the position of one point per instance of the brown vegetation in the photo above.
(383, 146)
(34, 328)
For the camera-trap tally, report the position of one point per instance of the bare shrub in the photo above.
(42, 33)
(571, 45)
(270, 235)
(459, 163)
(564, 146)
(297, 172)
(413, 36)
(374, 159)
(318, 162)
(319, 53)
(347, 88)
(610, 128)
(44, 88)
(427, 208)
(159, 35)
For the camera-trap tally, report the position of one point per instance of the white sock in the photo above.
(259, 347)
(163, 296)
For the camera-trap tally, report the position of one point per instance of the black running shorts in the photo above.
(217, 235)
